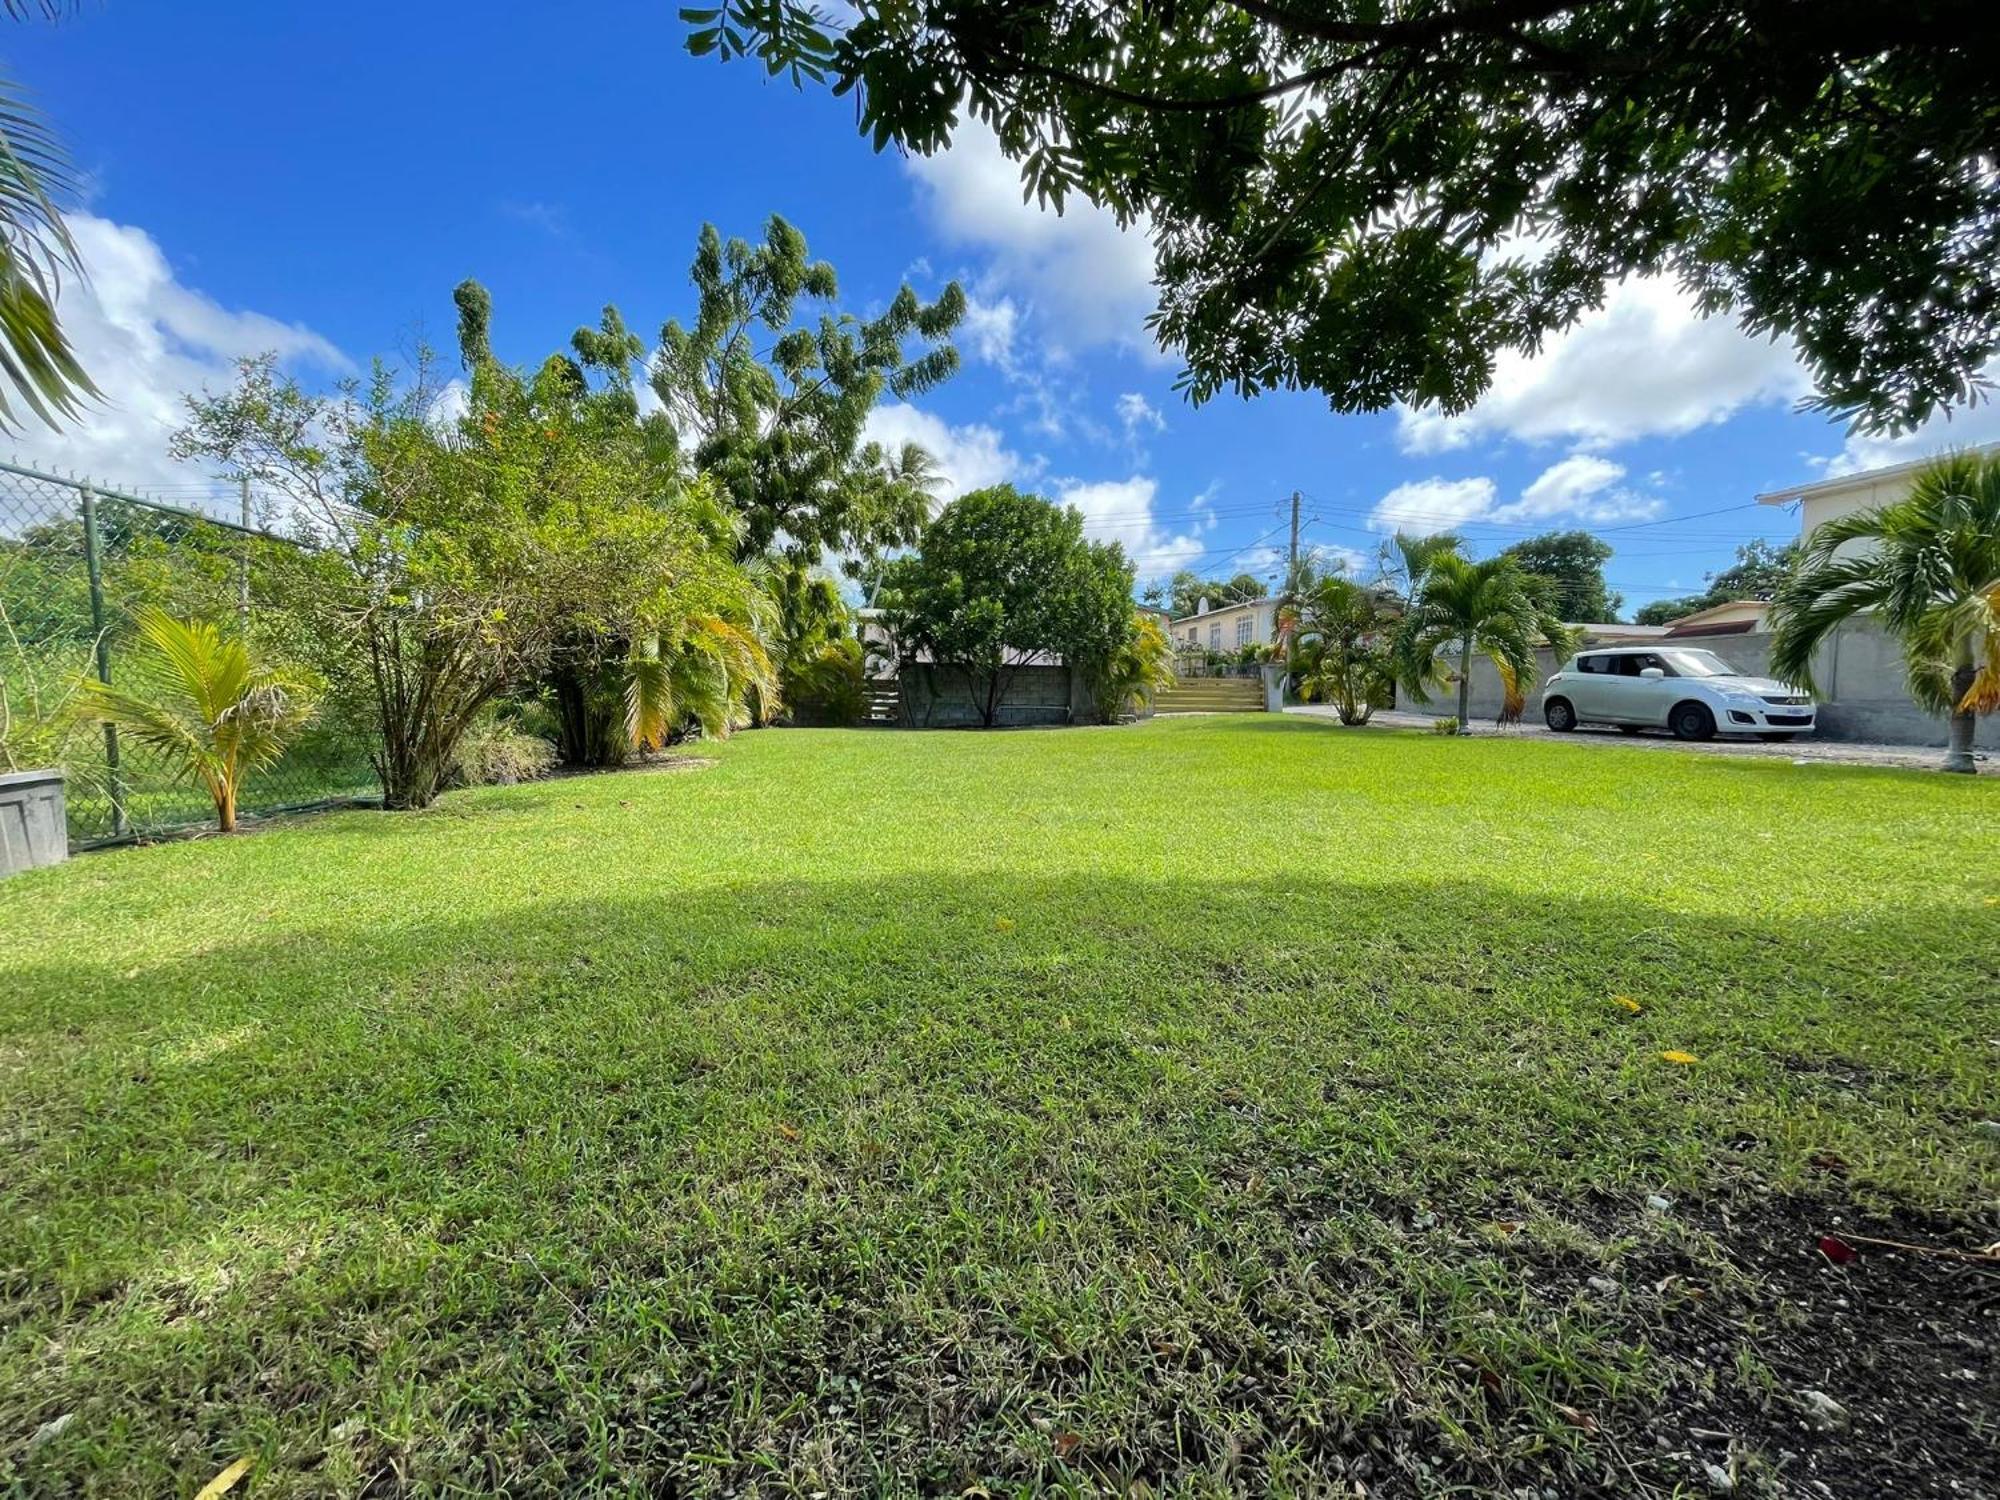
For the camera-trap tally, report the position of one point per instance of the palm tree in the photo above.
(1341, 628)
(712, 672)
(1479, 607)
(1406, 560)
(35, 252)
(1931, 574)
(214, 713)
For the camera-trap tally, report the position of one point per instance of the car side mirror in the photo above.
(1651, 674)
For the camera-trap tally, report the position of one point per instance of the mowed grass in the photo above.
(1209, 1106)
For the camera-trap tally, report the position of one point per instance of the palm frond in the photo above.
(650, 701)
(36, 362)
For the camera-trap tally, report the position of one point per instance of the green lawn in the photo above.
(1210, 1106)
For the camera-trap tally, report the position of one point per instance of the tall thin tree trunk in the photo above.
(1958, 747)
(1465, 686)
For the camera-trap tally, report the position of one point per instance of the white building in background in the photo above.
(1227, 627)
(1825, 500)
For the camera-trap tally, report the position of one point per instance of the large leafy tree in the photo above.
(1567, 572)
(772, 388)
(1928, 567)
(659, 627)
(1001, 580)
(1461, 609)
(1371, 200)
(536, 531)
(38, 371)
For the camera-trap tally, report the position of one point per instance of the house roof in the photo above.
(1861, 479)
(1732, 617)
(1218, 609)
(1612, 630)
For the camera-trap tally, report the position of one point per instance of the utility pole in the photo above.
(1292, 567)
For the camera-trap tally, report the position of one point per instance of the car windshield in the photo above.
(1699, 664)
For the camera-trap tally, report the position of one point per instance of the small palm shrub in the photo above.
(494, 752)
(203, 705)
(1137, 670)
(1444, 726)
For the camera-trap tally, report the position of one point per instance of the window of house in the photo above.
(1215, 637)
(1243, 631)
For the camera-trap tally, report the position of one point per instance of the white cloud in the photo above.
(969, 457)
(1426, 505)
(147, 340)
(989, 329)
(1138, 416)
(1089, 281)
(1583, 486)
(1645, 364)
(1966, 428)
(1121, 510)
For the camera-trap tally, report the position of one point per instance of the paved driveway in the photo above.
(1808, 748)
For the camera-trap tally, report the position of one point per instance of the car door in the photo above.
(1589, 686)
(1641, 699)
(1628, 696)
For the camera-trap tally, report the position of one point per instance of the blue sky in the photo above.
(316, 182)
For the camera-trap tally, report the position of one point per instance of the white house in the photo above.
(1227, 627)
(1824, 500)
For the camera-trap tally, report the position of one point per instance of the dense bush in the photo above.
(827, 685)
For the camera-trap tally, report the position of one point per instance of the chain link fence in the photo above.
(76, 561)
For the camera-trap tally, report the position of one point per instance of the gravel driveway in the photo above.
(1924, 757)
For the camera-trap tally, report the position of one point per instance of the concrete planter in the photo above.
(1275, 673)
(32, 831)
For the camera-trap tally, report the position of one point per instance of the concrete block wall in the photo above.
(1860, 672)
(941, 698)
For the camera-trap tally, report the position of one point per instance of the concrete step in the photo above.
(1211, 695)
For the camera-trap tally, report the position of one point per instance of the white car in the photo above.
(1694, 693)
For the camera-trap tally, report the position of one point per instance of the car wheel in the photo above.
(1692, 721)
(1558, 715)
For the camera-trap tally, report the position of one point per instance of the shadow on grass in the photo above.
(871, 1181)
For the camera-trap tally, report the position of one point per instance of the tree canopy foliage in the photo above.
(455, 555)
(1002, 579)
(1566, 571)
(774, 403)
(1372, 201)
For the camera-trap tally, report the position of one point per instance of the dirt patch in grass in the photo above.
(1903, 1343)
(635, 768)
(1794, 1370)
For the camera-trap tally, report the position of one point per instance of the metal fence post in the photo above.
(115, 783)
(243, 562)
